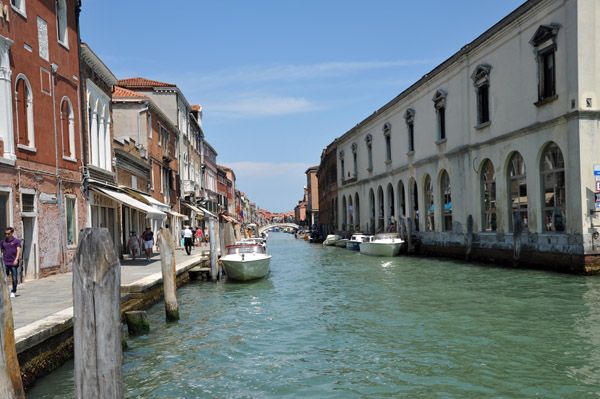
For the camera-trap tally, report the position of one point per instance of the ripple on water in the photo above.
(331, 323)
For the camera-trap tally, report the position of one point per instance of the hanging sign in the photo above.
(597, 187)
(596, 170)
(597, 197)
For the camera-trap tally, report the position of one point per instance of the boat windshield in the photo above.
(245, 249)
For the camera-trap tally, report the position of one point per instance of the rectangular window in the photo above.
(388, 148)
(483, 102)
(547, 74)
(4, 210)
(27, 202)
(71, 221)
(149, 126)
(134, 182)
(411, 137)
(441, 113)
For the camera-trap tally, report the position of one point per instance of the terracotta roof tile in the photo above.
(121, 92)
(142, 82)
(196, 107)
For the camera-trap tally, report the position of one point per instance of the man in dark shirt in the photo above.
(11, 253)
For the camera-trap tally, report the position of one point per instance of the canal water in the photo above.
(331, 323)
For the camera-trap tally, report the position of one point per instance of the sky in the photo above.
(279, 80)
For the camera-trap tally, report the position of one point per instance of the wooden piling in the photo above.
(213, 249)
(409, 249)
(469, 243)
(167, 261)
(96, 316)
(137, 322)
(11, 385)
(517, 230)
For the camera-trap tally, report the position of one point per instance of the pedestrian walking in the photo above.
(11, 253)
(148, 238)
(187, 239)
(199, 236)
(133, 244)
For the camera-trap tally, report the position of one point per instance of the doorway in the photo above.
(30, 248)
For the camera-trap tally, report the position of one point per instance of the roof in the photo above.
(88, 55)
(121, 92)
(143, 83)
(196, 107)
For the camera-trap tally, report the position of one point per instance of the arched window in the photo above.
(350, 213)
(344, 214)
(67, 123)
(391, 204)
(356, 212)
(24, 99)
(372, 210)
(380, 209)
(518, 189)
(61, 22)
(553, 179)
(446, 192)
(414, 195)
(488, 196)
(429, 205)
(401, 200)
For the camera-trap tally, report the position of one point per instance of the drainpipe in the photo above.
(82, 107)
(62, 250)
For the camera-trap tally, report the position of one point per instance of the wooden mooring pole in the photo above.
(11, 385)
(167, 261)
(213, 249)
(97, 317)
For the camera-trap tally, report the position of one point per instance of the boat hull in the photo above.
(250, 268)
(341, 243)
(380, 249)
(353, 245)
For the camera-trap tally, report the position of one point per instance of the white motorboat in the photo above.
(253, 240)
(331, 240)
(382, 245)
(245, 262)
(355, 240)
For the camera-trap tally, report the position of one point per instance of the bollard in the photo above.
(167, 261)
(96, 315)
(11, 385)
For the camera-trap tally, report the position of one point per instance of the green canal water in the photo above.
(331, 323)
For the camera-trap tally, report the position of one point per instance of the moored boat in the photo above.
(341, 242)
(355, 240)
(331, 239)
(382, 245)
(245, 262)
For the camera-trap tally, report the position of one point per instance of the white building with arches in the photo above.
(503, 133)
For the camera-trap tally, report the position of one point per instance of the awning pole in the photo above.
(213, 249)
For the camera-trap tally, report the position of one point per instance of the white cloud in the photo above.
(257, 74)
(260, 105)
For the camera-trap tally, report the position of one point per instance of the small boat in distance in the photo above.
(355, 240)
(245, 262)
(385, 244)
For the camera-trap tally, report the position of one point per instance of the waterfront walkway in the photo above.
(45, 304)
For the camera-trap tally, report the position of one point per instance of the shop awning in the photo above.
(151, 213)
(178, 215)
(156, 203)
(199, 210)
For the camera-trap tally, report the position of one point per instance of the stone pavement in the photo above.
(38, 299)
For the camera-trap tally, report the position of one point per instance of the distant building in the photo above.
(312, 201)
(328, 189)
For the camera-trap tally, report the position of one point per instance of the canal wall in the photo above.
(556, 252)
(46, 344)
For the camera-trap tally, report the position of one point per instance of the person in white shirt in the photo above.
(187, 239)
